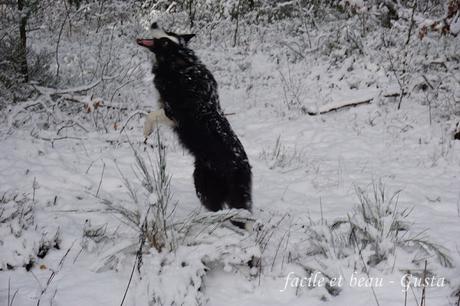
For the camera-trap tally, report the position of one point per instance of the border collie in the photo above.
(190, 103)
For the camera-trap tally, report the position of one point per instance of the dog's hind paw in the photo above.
(250, 226)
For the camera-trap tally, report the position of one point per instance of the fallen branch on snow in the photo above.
(77, 95)
(337, 105)
(333, 106)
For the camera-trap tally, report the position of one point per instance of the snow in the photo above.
(306, 173)
(335, 157)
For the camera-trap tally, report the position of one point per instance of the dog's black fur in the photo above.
(189, 96)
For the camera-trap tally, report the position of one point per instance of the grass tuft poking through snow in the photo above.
(372, 234)
(377, 227)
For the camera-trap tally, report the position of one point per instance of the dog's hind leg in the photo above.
(239, 195)
(210, 187)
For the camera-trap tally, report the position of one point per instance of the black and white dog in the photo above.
(190, 103)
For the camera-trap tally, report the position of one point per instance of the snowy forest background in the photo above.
(349, 111)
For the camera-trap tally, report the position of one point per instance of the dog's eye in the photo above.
(165, 43)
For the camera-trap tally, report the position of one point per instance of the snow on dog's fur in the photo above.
(189, 98)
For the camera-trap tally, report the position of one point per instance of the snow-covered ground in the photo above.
(307, 171)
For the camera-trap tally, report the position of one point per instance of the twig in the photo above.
(295, 51)
(78, 211)
(413, 294)
(129, 281)
(34, 134)
(406, 284)
(392, 67)
(53, 274)
(412, 23)
(138, 257)
(277, 250)
(11, 299)
(100, 181)
(53, 297)
(71, 125)
(333, 107)
(90, 165)
(321, 210)
(427, 82)
(366, 270)
(304, 23)
(286, 245)
(34, 188)
(128, 74)
(130, 117)
(423, 300)
(427, 96)
(72, 98)
(61, 91)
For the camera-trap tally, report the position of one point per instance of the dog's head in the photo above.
(164, 43)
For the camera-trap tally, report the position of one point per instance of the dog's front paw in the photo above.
(149, 124)
(155, 118)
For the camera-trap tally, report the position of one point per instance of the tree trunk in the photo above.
(23, 42)
(191, 14)
(235, 34)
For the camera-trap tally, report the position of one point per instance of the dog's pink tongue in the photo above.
(145, 42)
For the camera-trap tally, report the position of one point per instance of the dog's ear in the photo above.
(186, 37)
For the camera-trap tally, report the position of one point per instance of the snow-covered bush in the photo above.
(376, 236)
(22, 242)
(167, 245)
(378, 227)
